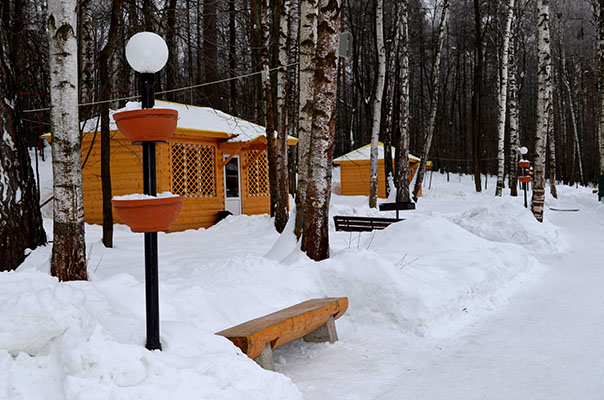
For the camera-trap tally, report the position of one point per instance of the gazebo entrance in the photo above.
(232, 185)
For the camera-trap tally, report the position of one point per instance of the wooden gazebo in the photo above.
(217, 161)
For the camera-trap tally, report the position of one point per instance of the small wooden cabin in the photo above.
(355, 171)
(217, 161)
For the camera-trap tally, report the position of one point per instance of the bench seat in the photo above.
(362, 224)
(312, 320)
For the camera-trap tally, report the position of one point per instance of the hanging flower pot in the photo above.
(524, 163)
(525, 179)
(147, 213)
(147, 125)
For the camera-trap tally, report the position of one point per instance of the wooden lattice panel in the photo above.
(257, 173)
(193, 170)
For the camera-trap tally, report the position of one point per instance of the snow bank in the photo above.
(85, 340)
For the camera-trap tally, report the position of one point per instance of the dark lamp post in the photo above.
(147, 53)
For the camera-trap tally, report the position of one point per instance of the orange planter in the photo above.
(524, 164)
(525, 179)
(148, 215)
(147, 125)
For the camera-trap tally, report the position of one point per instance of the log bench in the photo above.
(398, 206)
(312, 320)
(362, 224)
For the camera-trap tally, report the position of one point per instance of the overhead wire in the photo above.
(174, 90)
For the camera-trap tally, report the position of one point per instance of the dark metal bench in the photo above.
(397, 206)
(362, 224)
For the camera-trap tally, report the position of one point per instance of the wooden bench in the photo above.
(398, 206)
(312, 320)
(362, 224)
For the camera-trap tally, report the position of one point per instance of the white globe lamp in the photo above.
(146, 52)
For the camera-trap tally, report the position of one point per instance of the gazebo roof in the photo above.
(194, 118)
(364, 154)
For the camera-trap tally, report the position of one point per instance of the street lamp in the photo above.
(526, 177)
(147, 53)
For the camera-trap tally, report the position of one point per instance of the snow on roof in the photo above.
(364, 153)
(196, 118)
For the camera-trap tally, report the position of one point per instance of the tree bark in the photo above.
(281, 207)
(503, 99)
(315, 238)
(105, 80)
(21, 226)
(477, 95)
(514, 126)
(308, 43)
(544, 103)
(435, 98)
(377, 104)
(210, 53)
(86, 58)
(69, 246)
(600, 24)
(402, 149)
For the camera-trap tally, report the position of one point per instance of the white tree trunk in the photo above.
(377, 104)
(308, 44)
(315, 238)
(573, 120)
(544, 103)
(514, 122)
(281, 207)
(69, 249)
(435, 98)
(503, 97)
(402, 148)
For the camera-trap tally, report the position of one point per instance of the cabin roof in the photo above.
(194, 118)
(364, 154)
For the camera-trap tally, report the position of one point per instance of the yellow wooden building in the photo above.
(218, 162)
(355, 171)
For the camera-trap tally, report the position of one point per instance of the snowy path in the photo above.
(546, 344)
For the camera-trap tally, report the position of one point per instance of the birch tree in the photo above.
(281, 209)
(544, 104)
(599, 7)
(69, 248)
(315, 238)
(402, 148)
(503, 98)
(377, 103)
(21, 226)
(514, 120)
(308, 43)
(435, 98)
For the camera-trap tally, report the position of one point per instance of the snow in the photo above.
(140, 196)
(364, 153)
(196, 118)
(467, 298)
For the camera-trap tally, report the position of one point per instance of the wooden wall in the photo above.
(354, 177)
(127, 178)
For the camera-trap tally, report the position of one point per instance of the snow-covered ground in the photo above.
(468, 298)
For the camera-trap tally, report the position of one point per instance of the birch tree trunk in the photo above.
(267, 105)
(402, 148)
(315, 238)
(293, 91)
(21, 226)
(544, 104)
(551, 147)
(69, 247)
(390, 89)
(281, 206)
(514, 125)
(435, 98)
(308, 43)
(86, 58)
(503, 97)
(600, 24)
(377, 104)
